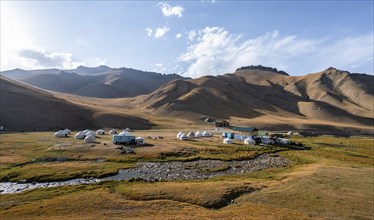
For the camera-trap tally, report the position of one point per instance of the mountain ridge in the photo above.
(257, 96)
(330, 95)
(264, 68)
(102, 81)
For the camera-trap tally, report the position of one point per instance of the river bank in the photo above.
(167, 171)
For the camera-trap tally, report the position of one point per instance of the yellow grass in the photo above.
(202, 193)
(333, 180)
(322, 191)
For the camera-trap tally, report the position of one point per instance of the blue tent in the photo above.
(123, 139)
(228, 135)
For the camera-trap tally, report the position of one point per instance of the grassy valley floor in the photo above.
(332, 180)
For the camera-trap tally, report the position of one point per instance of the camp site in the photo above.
(187, 110)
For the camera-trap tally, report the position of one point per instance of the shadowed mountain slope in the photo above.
(251, 95)
(330, 95)
(100, 82)
(25, 107)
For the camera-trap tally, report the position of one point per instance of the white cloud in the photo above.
(179, 35)
(349, 52)
(213, 50)
(192, 35)
(178, 70)
(39, 58)
(149, 31)
(159, 68)
(362, 62)
(208, 1)
(167, 10)
(161, 31)
(204, 15)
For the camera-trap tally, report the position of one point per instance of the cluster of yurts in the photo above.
(198, 134)
(249, 141)
(87, 135)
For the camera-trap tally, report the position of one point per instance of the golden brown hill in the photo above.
(265, 95)
(330, 100)
(24, 107)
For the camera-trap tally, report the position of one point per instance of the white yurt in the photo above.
(227, 141)
(198, 134)
(112, 131)
(205, 134)
(80, 135)
(139, 141)
(191, 134)
(60, 133)
(100, 131)
(125, 133)
(92, 133)
(67, 131)
(184, 137)
(179, 134)
(250, 141)
(89, 139)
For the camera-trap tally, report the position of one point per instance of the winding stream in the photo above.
(11, 187)
(200, 169)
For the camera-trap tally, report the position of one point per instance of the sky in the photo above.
(190, 38)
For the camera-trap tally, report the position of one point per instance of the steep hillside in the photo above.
(124, 83)
(27, 108)
(250, 92)
(100, 82)
(17, 74)
(262, 96)
(62, 82)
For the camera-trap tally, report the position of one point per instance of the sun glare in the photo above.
(15, 32)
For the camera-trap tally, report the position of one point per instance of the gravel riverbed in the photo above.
(200, 169)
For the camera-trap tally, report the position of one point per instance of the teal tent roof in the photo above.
(244, 129)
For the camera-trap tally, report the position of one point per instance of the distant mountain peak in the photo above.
(333, 70)
(264, 68)
(19, 69)
(98, 67)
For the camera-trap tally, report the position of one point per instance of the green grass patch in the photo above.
(355, 154)
(46, 172)
(354, 151)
